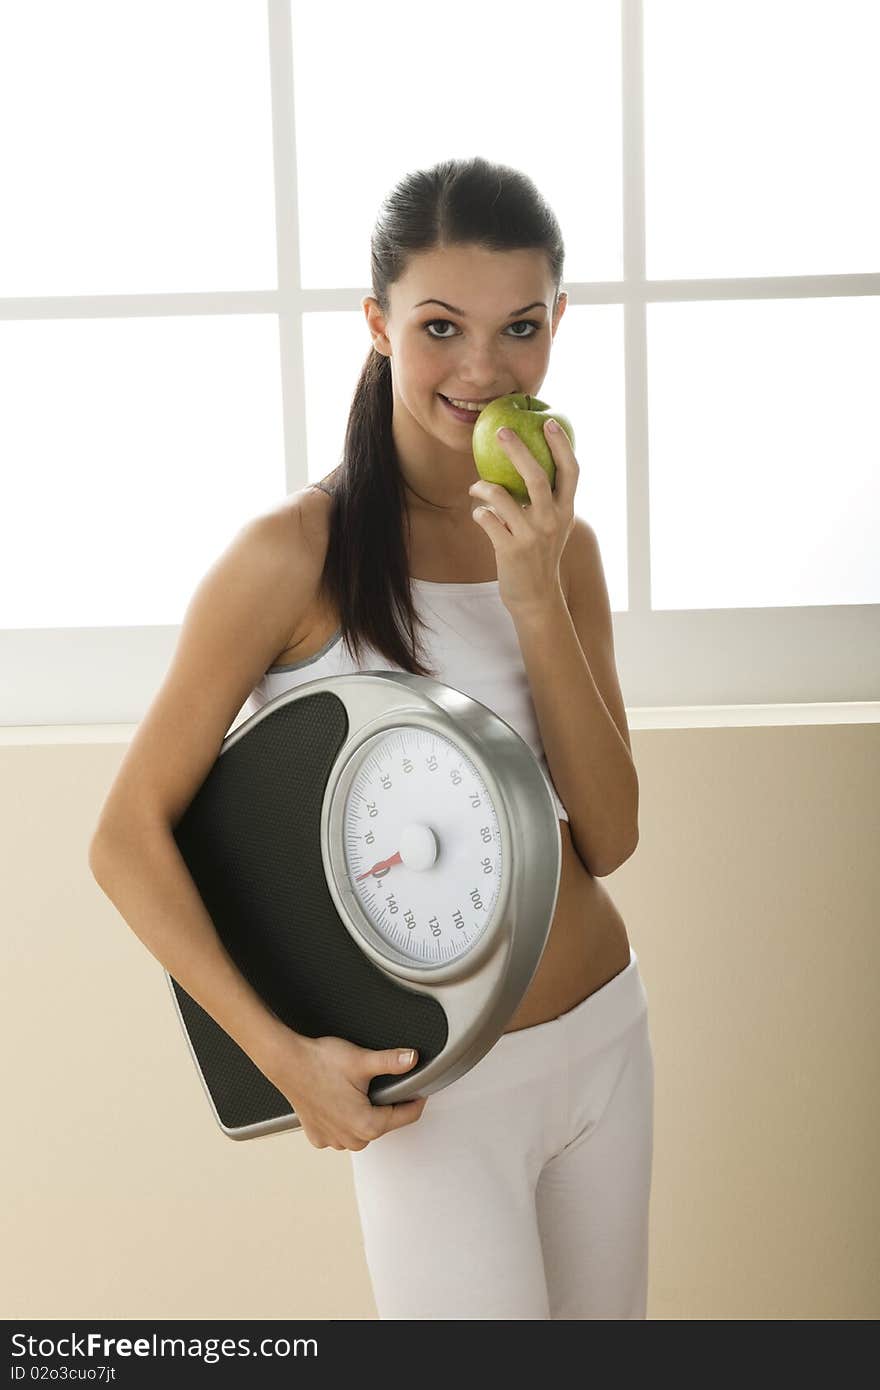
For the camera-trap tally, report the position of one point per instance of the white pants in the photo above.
(523, 1190)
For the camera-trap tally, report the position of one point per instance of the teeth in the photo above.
(465, 405)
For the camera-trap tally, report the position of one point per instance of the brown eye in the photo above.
(431, 323)
(519, 323)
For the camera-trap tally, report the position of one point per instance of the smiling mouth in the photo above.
(464, 398)
(463, 416)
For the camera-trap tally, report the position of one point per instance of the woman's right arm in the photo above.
(143, 873)
(238, 620)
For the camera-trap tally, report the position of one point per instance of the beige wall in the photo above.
(752, 902)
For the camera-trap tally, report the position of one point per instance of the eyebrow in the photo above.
(537, 304)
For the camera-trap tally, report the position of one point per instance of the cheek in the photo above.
(418, 365)
(538, 350)
(528, 359)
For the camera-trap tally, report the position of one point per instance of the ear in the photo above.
(376, 324)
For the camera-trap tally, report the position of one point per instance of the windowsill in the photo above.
(744, 716)
(674, 717)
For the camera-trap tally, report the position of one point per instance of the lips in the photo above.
(467, 398)
(467, 417)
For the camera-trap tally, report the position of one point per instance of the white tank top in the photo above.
(471, 644)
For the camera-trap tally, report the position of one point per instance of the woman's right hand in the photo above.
(326, 1081)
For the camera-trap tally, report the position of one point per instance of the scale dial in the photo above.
(422, 846)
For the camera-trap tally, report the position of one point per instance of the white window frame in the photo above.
(719, 666)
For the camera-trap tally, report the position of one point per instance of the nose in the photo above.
(481, 373)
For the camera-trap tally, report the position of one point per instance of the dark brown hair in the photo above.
(366, 574)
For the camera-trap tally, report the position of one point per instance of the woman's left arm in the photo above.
(568, 651)
(591, 765)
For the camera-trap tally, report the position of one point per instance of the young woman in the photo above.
(521, 1190)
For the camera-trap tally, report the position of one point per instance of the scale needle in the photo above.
(382, 864)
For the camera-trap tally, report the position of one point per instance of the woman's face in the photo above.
(473, 346)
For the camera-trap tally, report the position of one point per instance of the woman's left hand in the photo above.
(529, 538)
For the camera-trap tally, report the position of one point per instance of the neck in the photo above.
(450, 509)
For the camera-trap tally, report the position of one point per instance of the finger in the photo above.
(392, 1116)
(567, 469)
(403, 1113)
(487, 517)
(533, 475)
(495, 497)
(392, 1059)
(490, 523)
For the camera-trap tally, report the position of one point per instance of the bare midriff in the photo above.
(587, 944)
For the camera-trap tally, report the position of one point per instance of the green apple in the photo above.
(526, 415)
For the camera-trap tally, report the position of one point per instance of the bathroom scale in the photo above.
(380, 855)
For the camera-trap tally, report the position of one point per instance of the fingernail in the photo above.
(505, 433)
(405, 1058)
(552, 425)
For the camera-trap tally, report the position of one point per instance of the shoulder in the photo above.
(289, 542)
(299, 524)
(583, 574)
(585, 587)
(315, 507)
(578, 558)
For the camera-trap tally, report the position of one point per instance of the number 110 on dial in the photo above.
(422, 845)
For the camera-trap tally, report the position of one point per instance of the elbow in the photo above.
(603, 867)
(98, 849)
(624, 848)
(94, 851)
(633, 845)
(629, 852)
